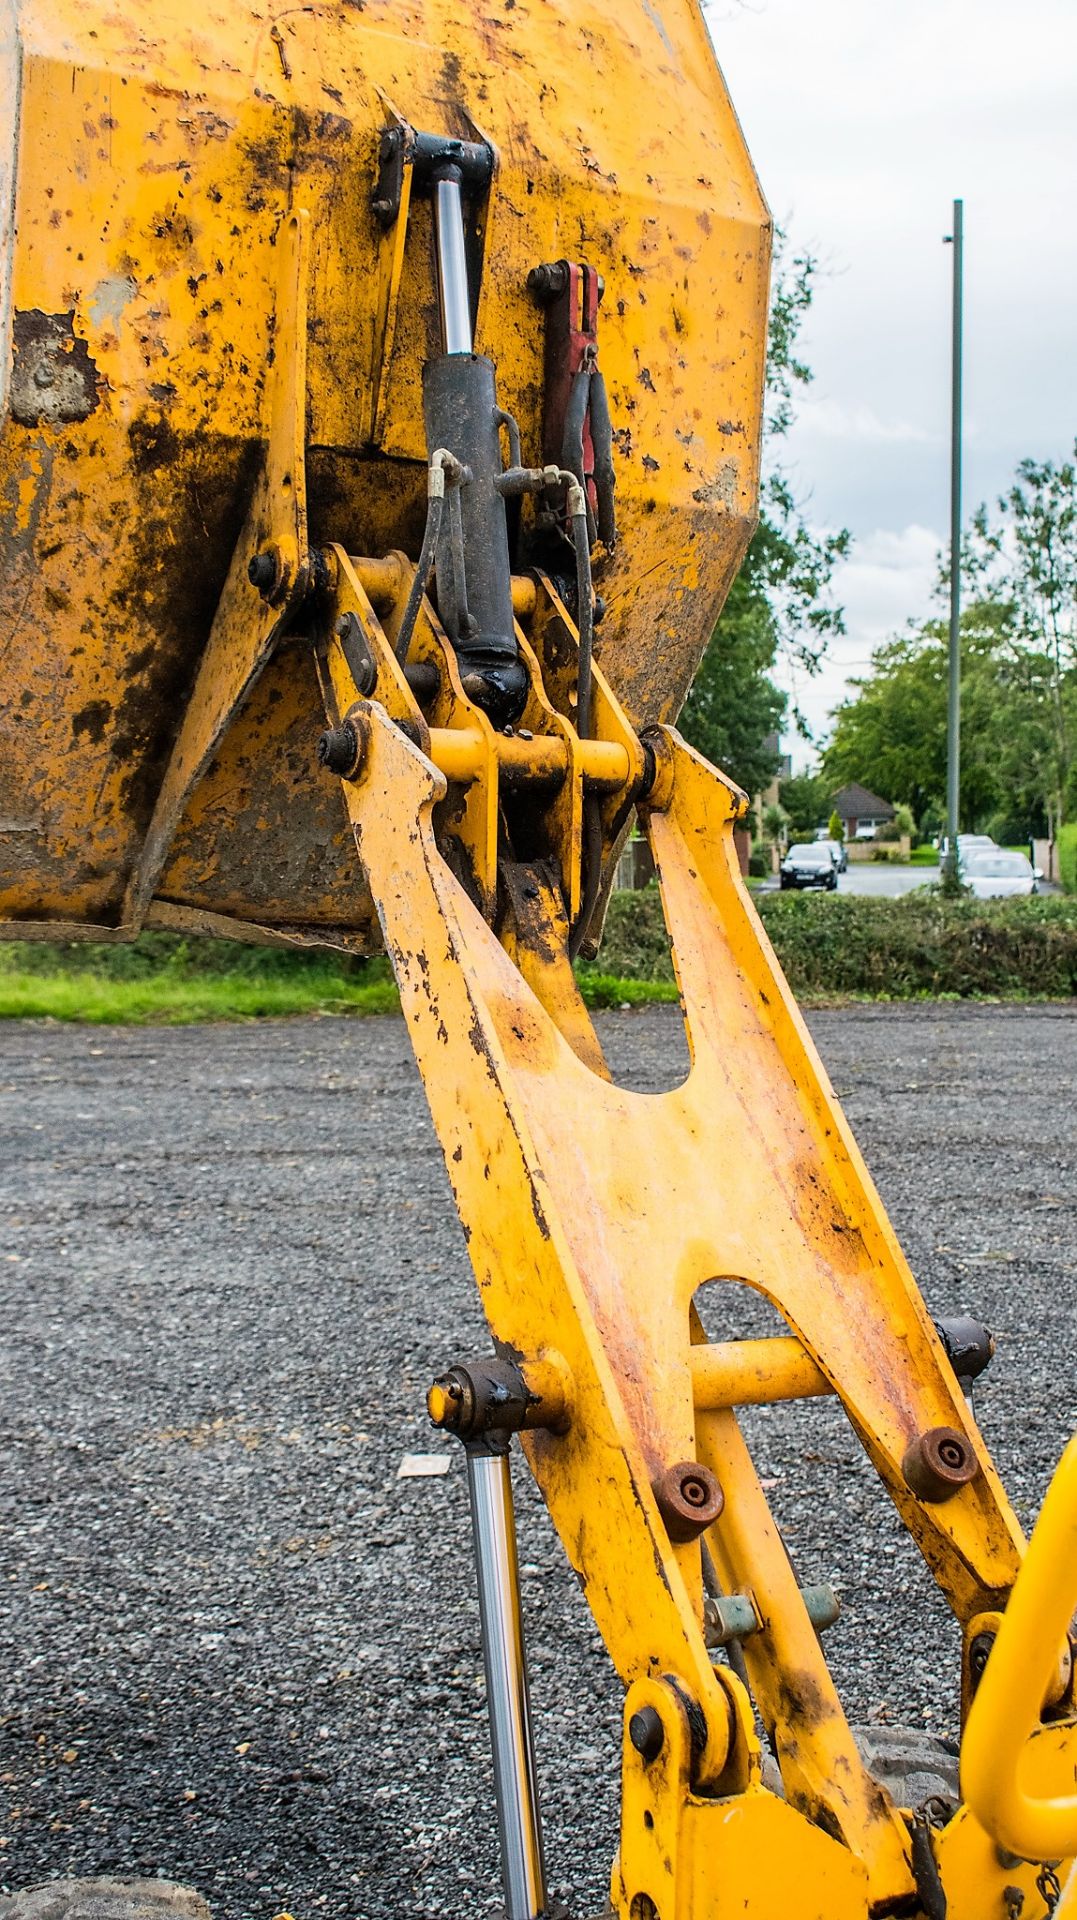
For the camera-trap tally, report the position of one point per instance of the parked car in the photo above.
(968, 843)
(995, 873)
(865, 831)
(810, 866)
(837, 848)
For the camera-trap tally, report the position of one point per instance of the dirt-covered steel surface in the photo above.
(237, 1649)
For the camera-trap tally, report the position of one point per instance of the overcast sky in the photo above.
(864, 121)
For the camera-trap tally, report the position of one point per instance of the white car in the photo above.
(994, 873)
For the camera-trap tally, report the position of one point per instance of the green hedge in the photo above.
(179, 957)
(1067, 857)
(828, 944)
(921, 944)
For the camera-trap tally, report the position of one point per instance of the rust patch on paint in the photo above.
(53, 378)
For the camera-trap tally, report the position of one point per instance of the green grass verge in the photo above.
(832, 947)
(924, 857)
(163, 1001)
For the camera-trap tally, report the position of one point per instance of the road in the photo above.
(237, 1648)
(881, 882)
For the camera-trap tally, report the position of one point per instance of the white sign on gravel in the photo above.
(423, 1466)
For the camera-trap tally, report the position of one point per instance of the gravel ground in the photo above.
(237, 1649)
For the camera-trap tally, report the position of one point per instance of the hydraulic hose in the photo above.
(602, 442)
(572, 437)
(442, 464)
(585, 612)
(585, 621)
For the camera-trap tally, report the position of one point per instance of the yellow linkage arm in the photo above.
(594, 1215)
(1005, 1715)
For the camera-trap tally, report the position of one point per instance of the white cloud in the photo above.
(887, 580)
(864, 122)
(829, 419)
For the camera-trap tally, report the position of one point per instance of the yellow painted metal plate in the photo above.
(155, 152)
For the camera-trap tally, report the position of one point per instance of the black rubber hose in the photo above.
(591, 862)
(585, 622)
(465, 625)
(434, 512)
(572, 437)
(602, 442)
(592, 870)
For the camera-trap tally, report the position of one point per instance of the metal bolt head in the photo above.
(548, 280)
(979, 1652)
(445, 1403)
(689, 1499)
(647, 1734)
(338, 750)
(262, 571)
(938, 1463)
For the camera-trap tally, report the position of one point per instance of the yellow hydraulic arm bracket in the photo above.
(271, 555)
(594, 1215)
(1017, 1774)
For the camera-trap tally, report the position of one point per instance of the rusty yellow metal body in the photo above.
(216, 328)
(594, 1217)
(150, 155)
(1005, 1742)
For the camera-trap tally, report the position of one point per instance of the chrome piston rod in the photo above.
(452, 265)
(519, 1827)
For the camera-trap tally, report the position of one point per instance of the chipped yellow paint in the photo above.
(156, 153)
(594, 1216)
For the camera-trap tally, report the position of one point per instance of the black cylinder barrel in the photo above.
(460, 410)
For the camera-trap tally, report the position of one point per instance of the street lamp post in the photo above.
(953, 716)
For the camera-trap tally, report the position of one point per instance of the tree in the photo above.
(780, 601)
(775, 822)
(806, 799)
(891, 733)
(1026, 559)
(795, 564)
(835, 827)
(733, 705)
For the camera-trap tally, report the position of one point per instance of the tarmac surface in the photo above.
(237, 1649)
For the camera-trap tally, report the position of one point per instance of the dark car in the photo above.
(810, 866)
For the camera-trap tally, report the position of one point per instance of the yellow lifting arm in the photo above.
(235, 400)
(594, 1216)
(1039, 1820)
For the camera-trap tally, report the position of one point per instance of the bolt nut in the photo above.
(647, 1734)
(938, 1464)
(978, 1656)
(689, 1500)
(263, 571)
(338, 750)
(548, 280)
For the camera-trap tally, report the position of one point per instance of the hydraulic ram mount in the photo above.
(594, 1215)
(488, 772)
